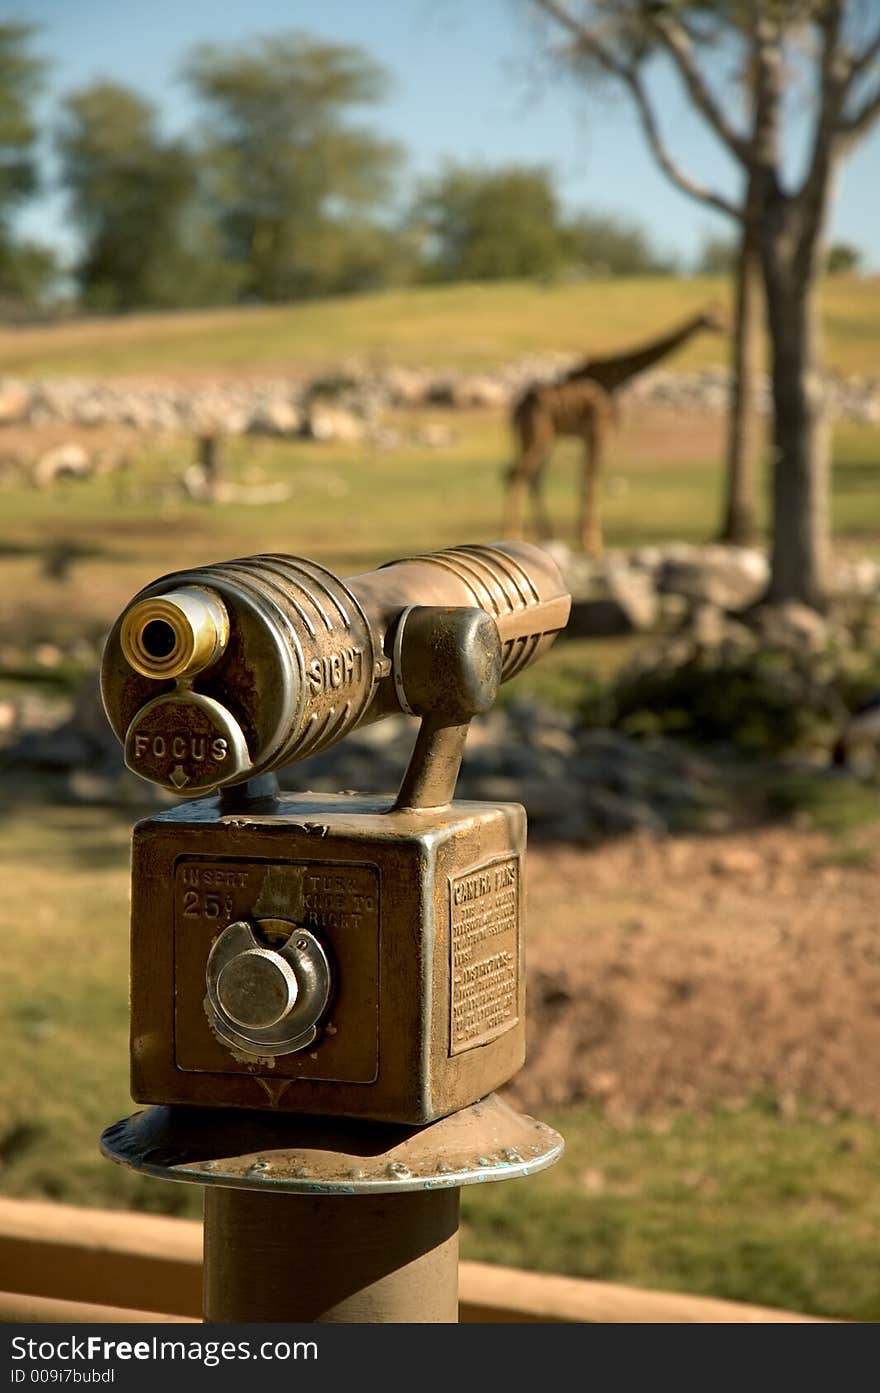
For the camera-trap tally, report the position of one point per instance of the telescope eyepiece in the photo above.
(175, 635)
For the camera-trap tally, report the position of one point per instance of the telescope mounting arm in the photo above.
(447, 669)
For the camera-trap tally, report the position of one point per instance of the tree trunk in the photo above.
(739, 524)
(800, 436)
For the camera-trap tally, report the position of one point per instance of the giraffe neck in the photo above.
(612, 372)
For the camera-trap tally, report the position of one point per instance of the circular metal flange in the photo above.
(266, 1002)
(301, 1155)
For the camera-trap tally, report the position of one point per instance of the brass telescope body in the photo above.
(325, 989)
(222, 673)
(345, 955)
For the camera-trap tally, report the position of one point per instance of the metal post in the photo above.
(386, 1258)
(330, 1220)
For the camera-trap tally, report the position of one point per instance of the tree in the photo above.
(21, 76)
(134, 196)
(717, 256)
(490, 224)
(296, 186)
(27, 270)
(28, 276)
(739, 259)
(836, 45)
(843, 259)
(739, 522)
(479, 223)
(603, 244)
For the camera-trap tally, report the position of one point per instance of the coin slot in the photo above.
(271, 933)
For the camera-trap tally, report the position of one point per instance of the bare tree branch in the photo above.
(677, 41)
(628, 75)
(661, 153)
(766, 79)
(812, 198)
(851, 127)
(862, 61)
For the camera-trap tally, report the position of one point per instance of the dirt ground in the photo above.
(700, 969)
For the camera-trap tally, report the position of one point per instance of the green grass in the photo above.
(744, 1204)
(461, 325)
(351, 507)
(833, 805)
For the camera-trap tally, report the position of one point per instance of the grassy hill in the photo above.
(461, 325)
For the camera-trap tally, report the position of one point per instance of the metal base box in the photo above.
(328, 956)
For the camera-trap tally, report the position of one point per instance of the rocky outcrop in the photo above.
(642, 588)
(349, 404)
(577, 784)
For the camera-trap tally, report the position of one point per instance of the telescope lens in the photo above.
(176, 634)
(158, 639)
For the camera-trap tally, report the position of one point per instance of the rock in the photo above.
(730, 577)
(334, 423)
(673, 610)
(615, 814)
(475, 392)
(275, 418)
(15, 400)
(70, 461)
(629, 605)
(408, 386)
(791, 625)
(707, 626)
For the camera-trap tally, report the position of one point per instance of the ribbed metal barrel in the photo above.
(519, 585)
(329, 639)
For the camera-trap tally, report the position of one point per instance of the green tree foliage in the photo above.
(134, 197)
(718, 256)
(490, 224)
(21, 74)
(478, 223)
(28, 273)
(842, 259)
(297, 187)
(27, 270)
(605, 245)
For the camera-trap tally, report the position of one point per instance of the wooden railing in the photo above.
(59, 1263)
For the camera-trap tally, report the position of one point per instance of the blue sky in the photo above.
(468, 84)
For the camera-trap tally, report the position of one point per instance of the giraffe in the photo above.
(581, 403)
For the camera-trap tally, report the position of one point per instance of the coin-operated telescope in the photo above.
(306, 959)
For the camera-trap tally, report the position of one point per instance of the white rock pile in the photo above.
(349, 405)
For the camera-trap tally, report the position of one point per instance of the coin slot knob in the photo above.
(257, 988)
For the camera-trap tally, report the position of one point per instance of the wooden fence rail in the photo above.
(59, 1263)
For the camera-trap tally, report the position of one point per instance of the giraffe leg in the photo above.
(590, 527)
(543, 525)
(513, 525)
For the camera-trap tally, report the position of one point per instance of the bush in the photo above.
(764, 701)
